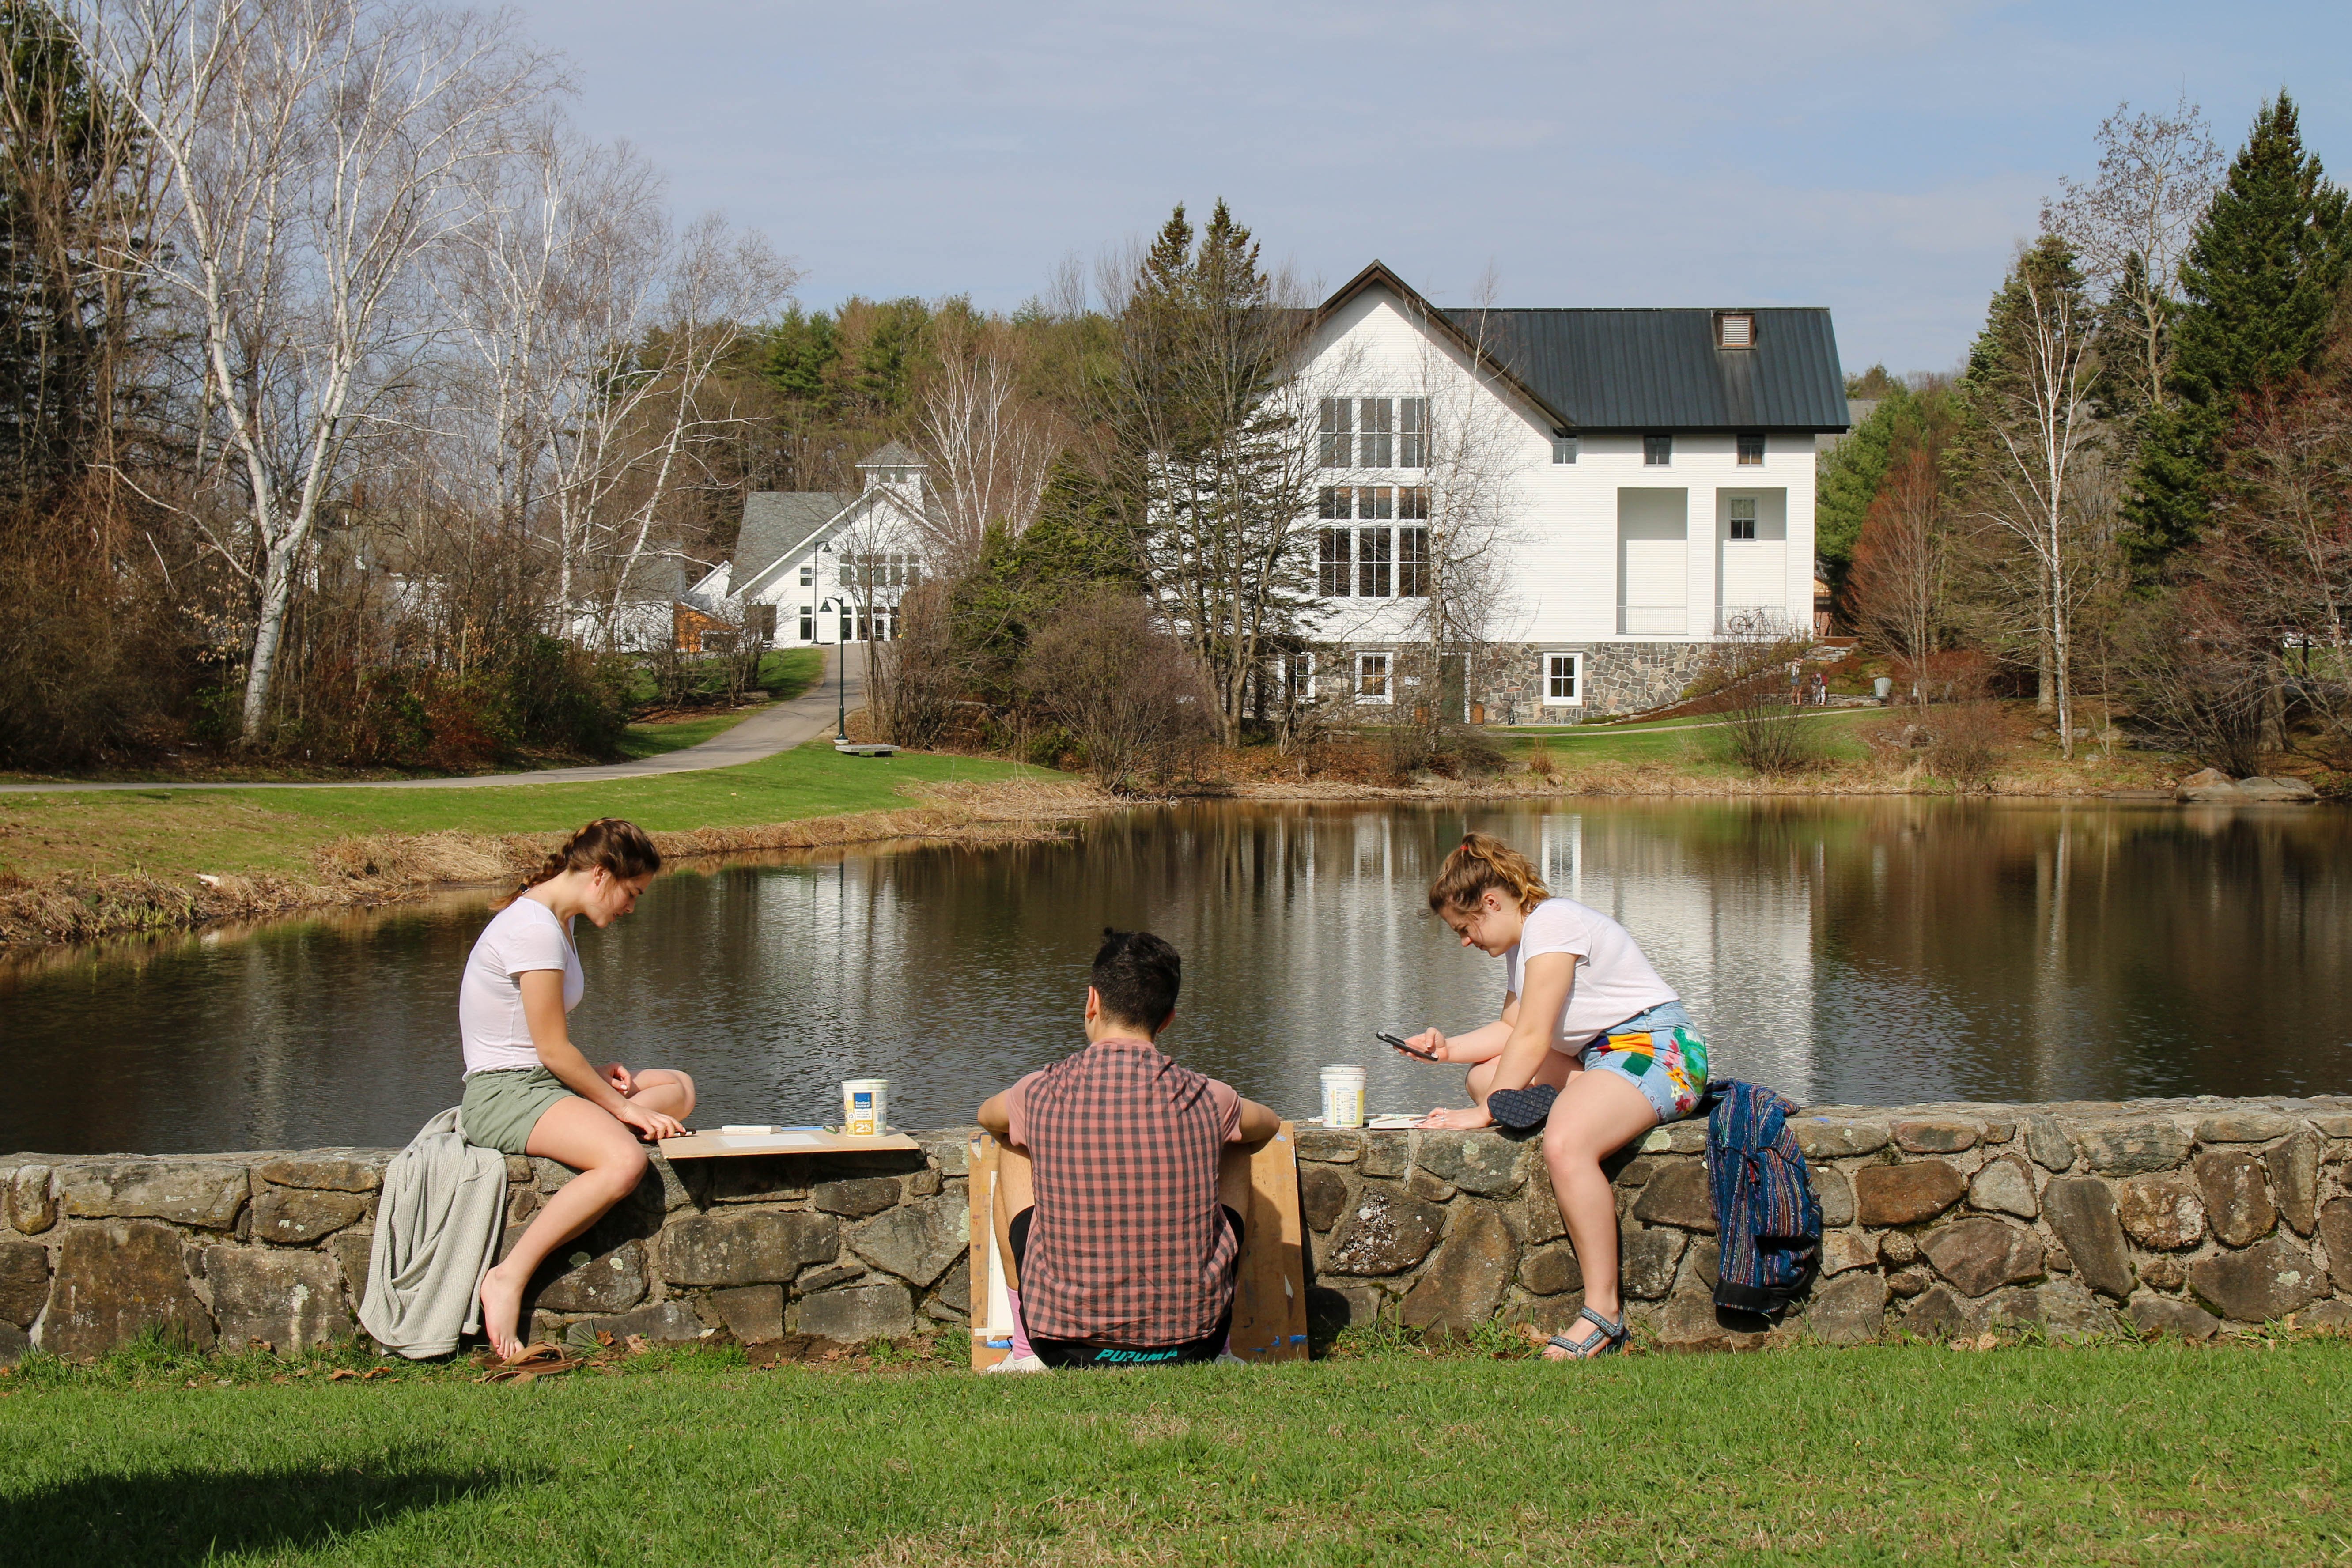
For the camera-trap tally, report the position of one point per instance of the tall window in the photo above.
(1378, 561)
(1339, 443)
(1332, 577)
(1371, 678)
(1563, 449)
(1657, 451)
(1561, 688)
(1743, 517)
(1374, 433)
(1375, 561)
(1376, 443)
(1412, 433)
(808, 622)
(1751, 450)
(1412, 564)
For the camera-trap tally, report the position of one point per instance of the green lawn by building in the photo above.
(2117, 1453)
(170, 833)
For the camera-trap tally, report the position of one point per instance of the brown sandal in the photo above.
(532, 1361)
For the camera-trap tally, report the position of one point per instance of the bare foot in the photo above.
(501, 1305)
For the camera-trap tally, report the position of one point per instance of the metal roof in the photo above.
(1659, 369)
(774, 522)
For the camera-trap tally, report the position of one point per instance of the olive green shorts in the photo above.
(502, 1106)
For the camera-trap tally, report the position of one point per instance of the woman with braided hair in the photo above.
(1584, 1014)
(528, 1089)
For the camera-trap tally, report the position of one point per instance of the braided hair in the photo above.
(621, 849)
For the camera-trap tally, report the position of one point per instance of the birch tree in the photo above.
(988, 444)
(2025, 402)
(312, 156)
(718, 282)
(558, 284)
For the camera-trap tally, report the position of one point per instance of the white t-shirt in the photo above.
(524, 936)
(1613, 983)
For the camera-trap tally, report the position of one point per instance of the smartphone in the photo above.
(1388, 1039)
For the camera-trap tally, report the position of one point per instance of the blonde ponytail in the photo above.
(1480, 864)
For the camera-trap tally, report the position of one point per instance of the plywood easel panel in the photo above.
(1270, 1294)
(1270, 1285)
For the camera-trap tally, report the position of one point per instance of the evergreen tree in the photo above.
(799, 353)
(1849, 479)
(2260, 280)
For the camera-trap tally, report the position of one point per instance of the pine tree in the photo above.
(2260, 280)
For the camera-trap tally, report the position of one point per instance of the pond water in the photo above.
(1868, 951)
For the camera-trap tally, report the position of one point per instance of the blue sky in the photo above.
(1881, 159)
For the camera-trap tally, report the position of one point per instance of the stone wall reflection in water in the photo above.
(1866, 952)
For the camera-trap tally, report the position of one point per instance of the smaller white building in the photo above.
(821, 567)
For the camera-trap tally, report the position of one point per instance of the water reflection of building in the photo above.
(1735, 938)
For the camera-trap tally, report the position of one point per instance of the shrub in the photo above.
(1135, 699)
(1966, 742)
(1746, 683)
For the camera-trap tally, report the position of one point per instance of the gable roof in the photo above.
(1656, 370)
(774, 522)
(1378, 276)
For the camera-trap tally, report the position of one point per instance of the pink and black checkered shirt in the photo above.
(1127, 1246)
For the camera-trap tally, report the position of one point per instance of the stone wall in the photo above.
(2173, 1215)
(1619, 678)
(231, 1248)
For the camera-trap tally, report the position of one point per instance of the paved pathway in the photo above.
(777, 728)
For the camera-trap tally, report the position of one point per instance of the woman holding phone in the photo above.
(1584, 1012)
(528, 1089)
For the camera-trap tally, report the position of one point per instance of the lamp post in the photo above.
(840, 673)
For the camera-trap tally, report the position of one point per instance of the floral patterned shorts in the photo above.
(1658, 1053)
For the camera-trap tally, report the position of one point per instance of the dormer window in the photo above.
(1735, 330)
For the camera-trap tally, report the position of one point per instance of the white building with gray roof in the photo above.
(825, 566)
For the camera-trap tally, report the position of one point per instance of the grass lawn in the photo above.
(166, 832)
(2117, 1453)
(1700, 741)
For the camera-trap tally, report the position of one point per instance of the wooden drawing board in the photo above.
(794, 1141)
(1270, 1278)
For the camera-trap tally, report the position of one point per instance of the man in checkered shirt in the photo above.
(1108, 1189)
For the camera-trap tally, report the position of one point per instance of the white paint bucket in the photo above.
(1343, 1096)
(866, 1106)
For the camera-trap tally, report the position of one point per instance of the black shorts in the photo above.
(1100, 1353)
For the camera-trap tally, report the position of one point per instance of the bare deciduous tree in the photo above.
(988, 444)
(2129, 226)
(1902, 564)
(314, 155)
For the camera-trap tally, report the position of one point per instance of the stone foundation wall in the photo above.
(1619, 678)
(1941, 1220)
